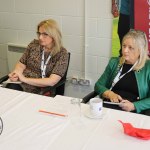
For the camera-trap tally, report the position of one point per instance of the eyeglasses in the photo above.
(44, 34)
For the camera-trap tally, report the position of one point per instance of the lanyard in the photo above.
(119, 76)
(43, 65)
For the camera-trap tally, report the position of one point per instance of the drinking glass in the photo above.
(75, 111)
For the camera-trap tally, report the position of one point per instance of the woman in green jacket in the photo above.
(127, 79)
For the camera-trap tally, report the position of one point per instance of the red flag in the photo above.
(142, 17)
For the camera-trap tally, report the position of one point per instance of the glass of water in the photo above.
(75, 110)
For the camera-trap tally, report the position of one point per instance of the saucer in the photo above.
(88, 114)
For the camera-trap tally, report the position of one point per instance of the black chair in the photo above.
(57, 89)
(89, 96)
(3, 79)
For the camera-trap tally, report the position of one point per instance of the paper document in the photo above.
(9, 81)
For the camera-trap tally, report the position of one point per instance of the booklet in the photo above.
(9, 81)
(109, 102)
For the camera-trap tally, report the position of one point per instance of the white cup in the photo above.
(96, 106)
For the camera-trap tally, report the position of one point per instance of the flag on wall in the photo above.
(115, 39)
(142, 17)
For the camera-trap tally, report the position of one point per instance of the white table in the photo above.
(25, 128)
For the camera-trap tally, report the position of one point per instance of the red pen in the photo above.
(53, 113)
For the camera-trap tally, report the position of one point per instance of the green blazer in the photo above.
(142, 77)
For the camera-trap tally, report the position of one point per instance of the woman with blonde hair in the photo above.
(126, 80)
(45, 60)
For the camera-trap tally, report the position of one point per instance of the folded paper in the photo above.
(136, 132)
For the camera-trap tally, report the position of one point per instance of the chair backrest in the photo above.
(87, 98)
(4, 78)
(61, 89)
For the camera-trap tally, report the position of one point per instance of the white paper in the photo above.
(9, 81)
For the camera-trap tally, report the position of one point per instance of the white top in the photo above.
(25, 128)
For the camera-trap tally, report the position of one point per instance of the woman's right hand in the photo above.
(13, 76)
(113, 97)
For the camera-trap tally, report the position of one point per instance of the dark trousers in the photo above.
(14, 86)
(123, 27)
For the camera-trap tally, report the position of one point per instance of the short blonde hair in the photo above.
(53, 31)
(140, 40)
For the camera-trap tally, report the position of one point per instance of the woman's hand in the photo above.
(13, 76)
(127, 105)
(113, 97)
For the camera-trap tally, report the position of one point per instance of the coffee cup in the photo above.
(96, 105)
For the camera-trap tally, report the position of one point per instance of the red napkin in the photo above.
(136, 132)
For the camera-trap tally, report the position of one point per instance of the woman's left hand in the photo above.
(127, 105)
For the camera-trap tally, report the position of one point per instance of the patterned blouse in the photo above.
(32, 59)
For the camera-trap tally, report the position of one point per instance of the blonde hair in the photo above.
(140, 41)
(53, 31)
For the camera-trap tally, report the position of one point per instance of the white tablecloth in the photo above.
(25, 128)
